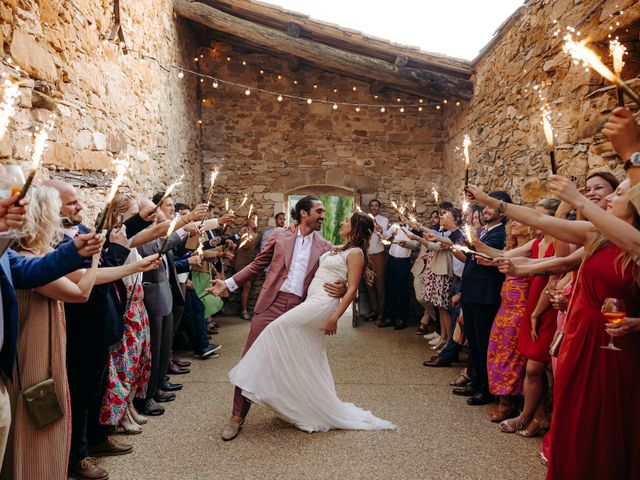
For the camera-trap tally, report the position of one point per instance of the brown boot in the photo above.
(86, 469)
(232, 428)
(110, 448)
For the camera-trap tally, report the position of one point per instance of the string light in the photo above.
(401, 109)
(214, 84)
(279, 98)
(382, 109)
(279, 77)
(309, 101)
(357, 109)
(335, 107)
(354, 88)
(180, 74)
(247, 92)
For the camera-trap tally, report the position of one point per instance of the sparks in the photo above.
(226, 204)
(462, 248)
(546, 125)
(244, 200)
(617, 51)
(465, 206)
(170, 189)
(250, 210)
(436, 197)
(121, 170)
(581, 53)
(255, 221)
(467, 233)
(246, 240)
(172, 227)
(7, 109)
(465, 149)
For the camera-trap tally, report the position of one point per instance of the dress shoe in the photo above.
(110, 448)
(162, 396)
(181, 362)
(151, 408)
(480, 399)
(208, 352)
(400, 326)
(466, 391)
(213, 331)
(232, 428)
(176, 370)
(167, 386)
(387, 323)
(86, 469)
(437, 362)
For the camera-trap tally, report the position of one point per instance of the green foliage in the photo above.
(344, 205)
(336, 209)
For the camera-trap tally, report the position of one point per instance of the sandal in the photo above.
(462, 380)
(128, 426)
(497, 415)
(245, 316)
(541, 427)
(422, 329)
(513, 425)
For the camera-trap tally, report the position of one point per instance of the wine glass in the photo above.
(613, 312)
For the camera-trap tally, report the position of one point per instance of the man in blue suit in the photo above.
(17, 271)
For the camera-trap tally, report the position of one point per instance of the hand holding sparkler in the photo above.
(623, 132)
(12, 213)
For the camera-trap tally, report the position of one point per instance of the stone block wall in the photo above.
(268, 148)
(504, 120)
(106, 104)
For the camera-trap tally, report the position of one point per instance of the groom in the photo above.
(292, 256)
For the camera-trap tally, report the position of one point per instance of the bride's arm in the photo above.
(355, 267)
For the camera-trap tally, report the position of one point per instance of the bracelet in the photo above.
(501, 207)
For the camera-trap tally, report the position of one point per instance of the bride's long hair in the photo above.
(362, 228)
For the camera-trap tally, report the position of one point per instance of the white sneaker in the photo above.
(431, 336)
(434, 341)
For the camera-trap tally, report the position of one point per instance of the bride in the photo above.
(287, 369)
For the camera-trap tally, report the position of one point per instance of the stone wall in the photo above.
(267, 148)
(504, 120)
(106, 104)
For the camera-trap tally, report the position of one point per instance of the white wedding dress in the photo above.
(287, 369)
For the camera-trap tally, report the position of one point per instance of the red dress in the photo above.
(596, 416)
(547, 323)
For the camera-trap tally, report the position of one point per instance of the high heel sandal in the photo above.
(541, 428)
(513, 425)
(137, 416)
(497, 415)
(462, 380)
(128, 426)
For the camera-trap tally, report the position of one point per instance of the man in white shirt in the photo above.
(377, 257)
(397, 297)
(293, 256)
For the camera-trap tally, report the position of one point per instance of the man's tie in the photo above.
(483, 232)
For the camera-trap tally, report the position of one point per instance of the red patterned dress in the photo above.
(130, 362)
(596, 413)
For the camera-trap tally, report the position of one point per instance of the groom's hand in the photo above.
(219, 289)
(336, 289)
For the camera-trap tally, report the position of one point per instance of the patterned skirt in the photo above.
(505, 363)
(130, 363)
(437, 288)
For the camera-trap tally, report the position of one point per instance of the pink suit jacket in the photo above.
(277, 254)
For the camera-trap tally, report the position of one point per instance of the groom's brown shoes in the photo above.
(232, 428)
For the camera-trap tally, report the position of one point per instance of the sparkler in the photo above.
(7, 109)
(465, 149)
(38, 150)
(467, 234)
(617, 51)
(462, 248)
(581, 53)
(548, 133)
(214, 175)
(255, 221)
(170, 230)
(121, 170)
(244, 200)
(250, 212)
(226, 204)
(247, 239)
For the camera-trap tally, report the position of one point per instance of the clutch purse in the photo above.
(41, 399)
(42, 403)
(554, 348)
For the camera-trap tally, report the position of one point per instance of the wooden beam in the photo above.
(418, 82)
(340, 37)
(293, 63)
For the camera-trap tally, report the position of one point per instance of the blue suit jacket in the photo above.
(481, 284)
(18, 271)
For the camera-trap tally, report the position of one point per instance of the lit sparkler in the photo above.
(465, 150)
(169, 190)
(250, 211)
(581, 53)
(462, 248)
(618, 51)
(548, 133)
(226, 204)
(467, 234)
(172, 227)
(38, 150)
(244, 200)
(214, 175)
(7, 109)
(121, 170)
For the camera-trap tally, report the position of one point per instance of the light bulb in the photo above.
(279, 77)
(420, 101)
(195, 59)
(261, 72)
(354, 88)
(247, 92)
(335, 90)
(309, 101)
(357, 109)
(437, 107)
(315, 86)
(335, 106)
(295, 81)
(444, 101)
(228, 59)
(419, 109)
(382, 109)
(398, 99)
(181, 74)
(457, 104)
(202, 80)
(279, 98)
(375, 96)
(214, 84)
(244, 63)
(401, 109)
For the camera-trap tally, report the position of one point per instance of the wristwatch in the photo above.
(634, 161)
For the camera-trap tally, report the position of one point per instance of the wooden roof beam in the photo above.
(415, 81)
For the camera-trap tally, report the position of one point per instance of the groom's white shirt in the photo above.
(297, 270)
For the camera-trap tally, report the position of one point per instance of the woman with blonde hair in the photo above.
(41, 352)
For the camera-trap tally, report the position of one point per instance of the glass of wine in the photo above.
(613, 311)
